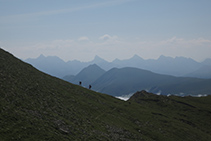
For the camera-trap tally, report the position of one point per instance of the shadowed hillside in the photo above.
(128, 80)
(36, 106)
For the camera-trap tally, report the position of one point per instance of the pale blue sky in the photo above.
(81, 29)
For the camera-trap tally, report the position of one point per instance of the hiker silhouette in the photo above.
(90, 86)
(80, 82)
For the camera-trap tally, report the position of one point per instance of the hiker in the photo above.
(90, 86)
(80, 83)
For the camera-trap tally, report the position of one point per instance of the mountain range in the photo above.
(179, 66)
(37, 106)
(124, 81)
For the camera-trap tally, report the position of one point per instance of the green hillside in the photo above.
(36, 106)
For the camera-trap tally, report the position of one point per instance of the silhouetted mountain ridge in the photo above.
(57, 67)
(124, 81)
(178, 66)
(128, 80)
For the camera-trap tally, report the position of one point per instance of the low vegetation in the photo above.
(36, 106)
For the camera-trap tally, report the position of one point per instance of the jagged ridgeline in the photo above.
(36, 106)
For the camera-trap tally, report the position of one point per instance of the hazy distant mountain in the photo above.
(179, 66)
(52, 65)
(57, 67)
(87, 76)
(102, 63)
(207, 62)
(98, 60)
(203, 72)
(135, 61)
(129, 80)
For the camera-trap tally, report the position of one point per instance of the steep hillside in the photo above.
(40, 107)
(129, 80)
(36, 106)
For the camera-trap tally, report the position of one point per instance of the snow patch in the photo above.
(125, 97)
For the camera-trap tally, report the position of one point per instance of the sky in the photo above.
(82, 29)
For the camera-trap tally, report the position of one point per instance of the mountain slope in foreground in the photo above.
(36, 106)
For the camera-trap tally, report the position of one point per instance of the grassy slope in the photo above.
(186, 117)
(36, 106)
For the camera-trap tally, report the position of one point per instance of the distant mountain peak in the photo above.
(164, 57)
(136, 57)
(116, 60)
(41, 56)
(93, 65)
(181, 57)
(97, 59)
(207, 61)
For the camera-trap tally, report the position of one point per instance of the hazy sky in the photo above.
(81, 29)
